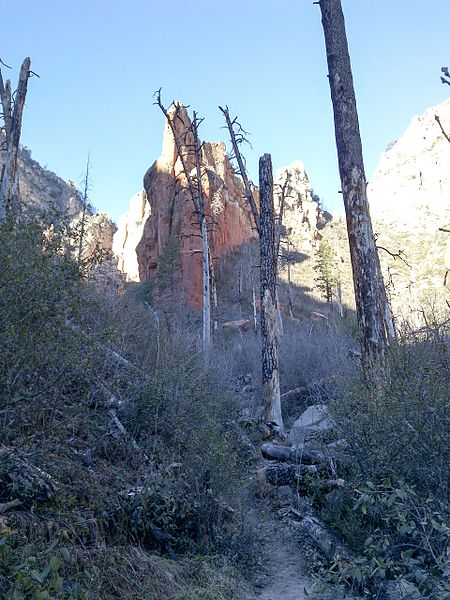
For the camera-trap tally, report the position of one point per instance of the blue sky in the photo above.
(100, 62)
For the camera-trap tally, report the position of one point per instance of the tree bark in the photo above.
(367, 276)
(215, 304)
(269, 329)
(9, 198)
(205, 247)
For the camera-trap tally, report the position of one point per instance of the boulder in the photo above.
(238, 324)
(314, 422)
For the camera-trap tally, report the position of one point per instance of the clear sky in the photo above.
(100, 62)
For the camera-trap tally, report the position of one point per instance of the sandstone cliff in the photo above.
(409, 198)
(164, 210)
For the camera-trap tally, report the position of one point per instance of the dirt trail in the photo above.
(286, 577)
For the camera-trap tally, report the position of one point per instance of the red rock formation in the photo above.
(172, 211)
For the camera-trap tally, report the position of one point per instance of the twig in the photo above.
(13, 503)
(395, 255)
(436, 117)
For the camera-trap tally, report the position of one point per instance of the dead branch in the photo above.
(5, 506)
(235, 141)
(400, 254)
(297, 393)
(437, 119)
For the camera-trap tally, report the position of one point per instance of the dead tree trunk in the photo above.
(196, 193)
(269, 247)
(255, 320)
(367, 276)
(206, 270)
(83, 214)
(269, 329)
(215, 304)
(12, 114)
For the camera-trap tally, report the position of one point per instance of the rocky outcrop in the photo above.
(164, 210)
(43, 192)
(409, 197)
(302, 217)
(55, 201)
(129, 233)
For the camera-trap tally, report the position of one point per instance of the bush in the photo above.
(63, 393)
(395, 513)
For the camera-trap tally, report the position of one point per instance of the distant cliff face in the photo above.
(302, 217)
(41, 191)
(45, 194)
(409, 197)
(165, 210)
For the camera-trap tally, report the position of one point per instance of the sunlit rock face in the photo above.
(43, 192)
(409, 197)
(165, 210)
(302, 216)
(170, 211)
(57, 202)
(129, 233)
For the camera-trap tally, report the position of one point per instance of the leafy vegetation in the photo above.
(115, 442)
(395, 513)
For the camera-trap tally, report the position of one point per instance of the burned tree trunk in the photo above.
(12, 114)
(269, 329)
(367, 276)
(265, 225)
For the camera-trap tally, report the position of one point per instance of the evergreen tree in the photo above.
(327, 269)
(167, 273)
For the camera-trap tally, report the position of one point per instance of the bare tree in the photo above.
(196, 192)
(236, 140)
(83, 213)
(367, 277)
(269, 244)
(12, 105)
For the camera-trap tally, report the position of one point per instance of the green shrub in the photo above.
(395, 513)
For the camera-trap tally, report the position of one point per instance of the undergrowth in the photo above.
(124, 450)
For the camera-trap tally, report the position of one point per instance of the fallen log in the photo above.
(121, 429)
(328, 543)
(5, 506)
(301, 455)
(108, 351)
(22, 481)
